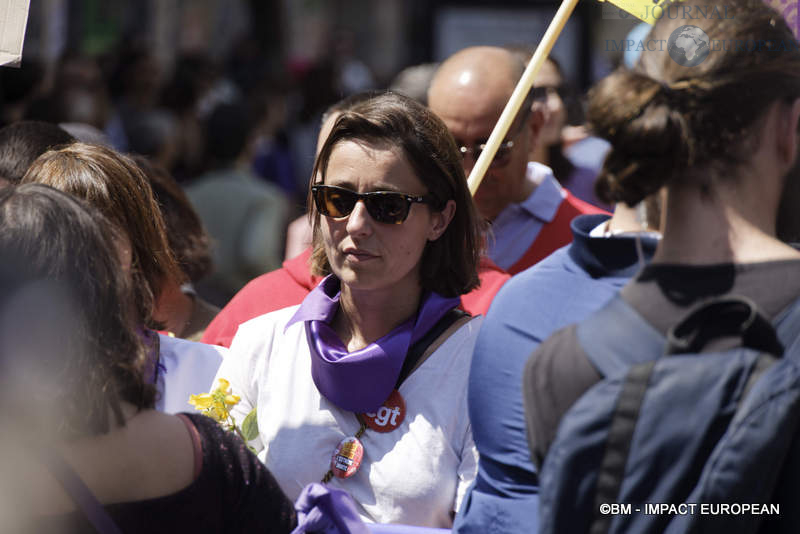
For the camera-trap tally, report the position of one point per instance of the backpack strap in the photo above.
(618, 444)
(418, 352)
(617, 337)
(724, 317)
(787, 325)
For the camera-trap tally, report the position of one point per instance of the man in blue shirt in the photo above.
(564, 288)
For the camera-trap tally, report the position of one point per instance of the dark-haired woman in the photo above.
(363, 385)
(721, 138)
(83, 450)
(183, 312)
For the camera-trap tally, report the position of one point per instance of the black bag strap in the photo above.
(730, 316)
(416, 350)
(79, 492)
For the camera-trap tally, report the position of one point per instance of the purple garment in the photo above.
(384, 528)
(360, 381)
(153, 366)
(328, 510)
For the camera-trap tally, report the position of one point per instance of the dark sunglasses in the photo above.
(389, 207)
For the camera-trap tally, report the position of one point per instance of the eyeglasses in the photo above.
(389, 207)
(503, 154)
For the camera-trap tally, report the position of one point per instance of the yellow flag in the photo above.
(647, 10)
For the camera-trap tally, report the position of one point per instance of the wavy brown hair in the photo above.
(116, 186)
(663, 119)
(449, 264)
(61, 281)
(188, 239)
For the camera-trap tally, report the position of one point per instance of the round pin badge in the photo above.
(347, 457)
(389, 416)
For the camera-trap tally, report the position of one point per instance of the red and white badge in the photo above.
(389, 416)
(347, 457)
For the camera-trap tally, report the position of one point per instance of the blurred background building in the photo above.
(151, 76)
(305, 54)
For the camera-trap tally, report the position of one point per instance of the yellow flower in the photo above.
(218, 403)
(203, 401)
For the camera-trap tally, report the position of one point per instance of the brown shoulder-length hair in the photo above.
(115, 185)
(188, 239)
(68, 334)
(449, 264)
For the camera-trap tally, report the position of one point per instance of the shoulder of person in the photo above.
(460, 338)
(264, 328)
(273, 319)
(468, 330)
(178, 348)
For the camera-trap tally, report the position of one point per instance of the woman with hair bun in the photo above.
(721, 139)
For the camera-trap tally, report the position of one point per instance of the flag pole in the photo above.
(520, 92)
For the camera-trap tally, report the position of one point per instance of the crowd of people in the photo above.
(511, 361)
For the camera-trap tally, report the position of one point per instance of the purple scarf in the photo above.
(360, 381)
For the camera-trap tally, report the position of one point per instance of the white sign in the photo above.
(13, 19)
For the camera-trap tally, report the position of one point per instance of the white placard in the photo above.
(13, 19)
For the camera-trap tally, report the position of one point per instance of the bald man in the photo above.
(529, 211)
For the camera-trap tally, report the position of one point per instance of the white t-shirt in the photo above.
(414, 475)
(188, 368)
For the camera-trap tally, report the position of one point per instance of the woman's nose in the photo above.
(359, 222)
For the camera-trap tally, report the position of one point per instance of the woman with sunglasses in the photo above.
(363, 385)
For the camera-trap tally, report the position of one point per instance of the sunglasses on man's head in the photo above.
(389, 207)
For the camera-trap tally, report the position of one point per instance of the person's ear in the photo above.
(536, 122)
(441, 219)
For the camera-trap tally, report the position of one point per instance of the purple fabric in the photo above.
(153, 365)
(328, 510)
(378, 528)
(80, 493)
(360, 381)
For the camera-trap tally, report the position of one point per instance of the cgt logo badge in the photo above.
(688, 46)
(389, 416)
